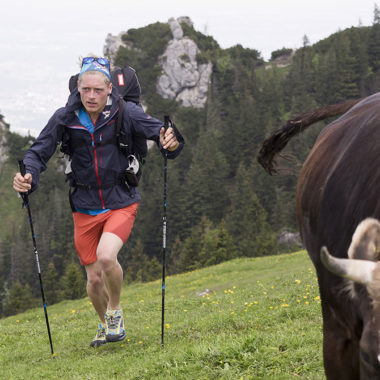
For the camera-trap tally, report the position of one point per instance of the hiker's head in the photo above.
(94, 87)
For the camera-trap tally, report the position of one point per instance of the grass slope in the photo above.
(261, 320)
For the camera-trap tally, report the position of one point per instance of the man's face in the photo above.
(93, 92)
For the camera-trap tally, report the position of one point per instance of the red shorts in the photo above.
(89, 228)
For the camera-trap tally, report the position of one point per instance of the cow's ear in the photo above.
(365, 243)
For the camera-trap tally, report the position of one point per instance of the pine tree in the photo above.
(206, 184)
(5, 258)
(51, 284)
(73, 284)
(217, 246)
(347, 75)
(141, 267)
(18, 299)
(374, 41)
(247, 220)
(192, 255)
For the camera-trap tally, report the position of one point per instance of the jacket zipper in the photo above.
(96, 163)
(101, 149)
(97, 171)
(96, 157)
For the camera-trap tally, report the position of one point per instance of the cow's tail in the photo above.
(279, 138)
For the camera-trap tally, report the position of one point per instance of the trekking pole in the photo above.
(167, 124)
(25, 199)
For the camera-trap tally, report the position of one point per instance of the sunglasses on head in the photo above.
(102, 61)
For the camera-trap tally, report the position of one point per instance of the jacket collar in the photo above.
(74, 104)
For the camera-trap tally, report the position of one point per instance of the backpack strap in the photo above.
(125, 147)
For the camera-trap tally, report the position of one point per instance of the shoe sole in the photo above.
(116, 338)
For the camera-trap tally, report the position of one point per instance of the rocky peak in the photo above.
(183, 78)
(112, 44)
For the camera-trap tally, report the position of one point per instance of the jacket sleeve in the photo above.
(149, 127)
(43, 148)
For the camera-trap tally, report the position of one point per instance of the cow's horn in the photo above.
(356, 270)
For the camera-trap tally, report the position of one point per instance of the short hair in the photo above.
(106, 79)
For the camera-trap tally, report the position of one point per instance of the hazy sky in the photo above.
(40, 41)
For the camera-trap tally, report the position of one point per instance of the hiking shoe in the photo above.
(115, 326)
(100, 337)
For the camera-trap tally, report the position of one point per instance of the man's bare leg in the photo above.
(96, 289)
(107, 251)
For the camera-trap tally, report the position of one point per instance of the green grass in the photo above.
(261, 320)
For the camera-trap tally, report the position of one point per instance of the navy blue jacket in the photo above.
(94, 163)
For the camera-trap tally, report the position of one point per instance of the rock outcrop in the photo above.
(112, 44)
(283, 60)
(290, 239)
(3, 141)
(183, 78)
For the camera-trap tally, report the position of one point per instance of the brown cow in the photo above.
(339, 187)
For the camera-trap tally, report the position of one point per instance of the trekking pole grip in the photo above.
(166, 121)
(22, 167)
(24, 196)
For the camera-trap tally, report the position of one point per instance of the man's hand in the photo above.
(22, 184)
(168, 139)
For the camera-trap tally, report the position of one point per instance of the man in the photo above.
(104, 204)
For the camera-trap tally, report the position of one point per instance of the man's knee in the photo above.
(94, 279)
(94, 287)
(107, 261)
(107, 251)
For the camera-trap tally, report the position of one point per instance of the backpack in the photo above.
(127, 83)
